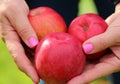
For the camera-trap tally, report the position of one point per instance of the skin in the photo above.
(109, 63)
(14, 26)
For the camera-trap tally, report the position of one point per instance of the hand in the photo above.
(109, 63)
(14, 26)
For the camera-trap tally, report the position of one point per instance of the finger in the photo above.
(21, 60)
(116, 51)
(98, 71)
(99, 42)
(20, 22)
(112, 17)
(14, 46)
(107, 39)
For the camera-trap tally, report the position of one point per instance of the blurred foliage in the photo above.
(86, 6)
(9, 73)
(103, 80)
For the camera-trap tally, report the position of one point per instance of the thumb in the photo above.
(99, 42)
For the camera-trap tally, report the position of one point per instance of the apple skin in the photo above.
(86, 26)
(45, 20)
(59, 57)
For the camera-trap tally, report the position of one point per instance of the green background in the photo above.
(10, 74)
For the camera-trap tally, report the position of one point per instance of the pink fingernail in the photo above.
(36, 83)
(33, 42)
(88, 48)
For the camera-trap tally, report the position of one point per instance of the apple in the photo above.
(86, 26)
(59, 57)
(45, 20)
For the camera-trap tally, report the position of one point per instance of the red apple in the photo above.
(46, 20)
(59, 57)
(86, 26)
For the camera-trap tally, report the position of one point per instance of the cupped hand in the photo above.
(110, 62)
(14, 26)
(107, 65)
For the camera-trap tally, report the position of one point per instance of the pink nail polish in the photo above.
(88, 48)
(33, 42)
(36, 83)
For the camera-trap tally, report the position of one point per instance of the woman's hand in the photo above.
(109, 63)
(14, 26)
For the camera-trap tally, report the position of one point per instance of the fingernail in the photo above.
(33, 42)
(35, 83)
(88, 48)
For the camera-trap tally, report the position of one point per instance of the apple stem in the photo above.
(85, 28)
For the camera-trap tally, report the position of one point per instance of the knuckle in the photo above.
(24, 32)
(11, 9)
(26, 9)
(12, 47)
(6, 30)
(103, 42)
(114, 33)
(6, 8)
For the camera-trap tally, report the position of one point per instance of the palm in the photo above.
(106, 65)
